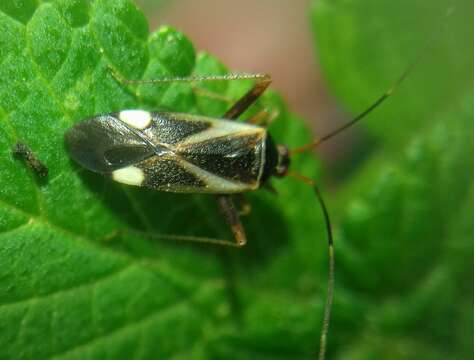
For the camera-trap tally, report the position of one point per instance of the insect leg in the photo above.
(227, 208)
(330, 286)
(190, 79)
(177, 238)
(249, 98)
(263, 81)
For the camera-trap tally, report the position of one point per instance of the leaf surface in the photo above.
(72, 287)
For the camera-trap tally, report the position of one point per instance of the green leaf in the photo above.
(404, 249)
(71, 287)
(404, 244)
(363, 46)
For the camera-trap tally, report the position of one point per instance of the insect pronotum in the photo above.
(185, 153)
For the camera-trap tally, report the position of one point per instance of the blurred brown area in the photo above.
(271, 36)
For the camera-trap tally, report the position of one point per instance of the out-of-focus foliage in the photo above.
(405, 248)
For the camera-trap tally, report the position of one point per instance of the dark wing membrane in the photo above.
(119, 156)
(164, 173)
(172, 128)
(235, 157)
(104, 144)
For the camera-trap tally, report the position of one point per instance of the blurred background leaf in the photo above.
(404, 248)
(152, 5)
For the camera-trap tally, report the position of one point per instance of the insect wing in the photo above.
(203, 154)
(104, 144)
(171, 151)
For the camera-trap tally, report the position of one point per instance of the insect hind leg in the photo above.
(195, 239)
(263, 81)
(189, 79)
(171, 237)
(227, 209)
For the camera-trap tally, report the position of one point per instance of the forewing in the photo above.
(170, 151)
(236, 157)
(174, 128)
(104, 144)
(205, 154)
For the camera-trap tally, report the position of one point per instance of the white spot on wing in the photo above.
(139, 119)
(130, 175)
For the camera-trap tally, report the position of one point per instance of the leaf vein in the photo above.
(128, 327)
(48, 296)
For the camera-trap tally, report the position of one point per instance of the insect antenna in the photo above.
(359, 117)
(379, 101)
(330, 285)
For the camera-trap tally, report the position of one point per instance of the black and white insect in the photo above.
(23, 151)
(185, 153)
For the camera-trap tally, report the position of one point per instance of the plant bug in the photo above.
(23, 151)
(185, 153)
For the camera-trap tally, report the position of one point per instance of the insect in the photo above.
(185, 153)
(21, 150)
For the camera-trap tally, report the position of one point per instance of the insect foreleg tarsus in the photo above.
(191, 78)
